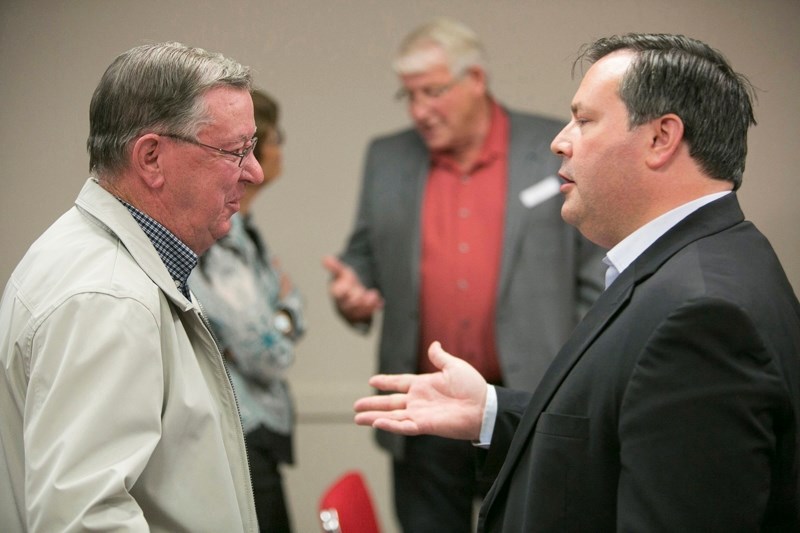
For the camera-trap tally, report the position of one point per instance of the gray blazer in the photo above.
(549, 274)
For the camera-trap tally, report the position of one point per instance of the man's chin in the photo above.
(568, 213)
(436, 142)
(222, 229)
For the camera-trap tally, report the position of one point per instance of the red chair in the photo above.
(346, 506)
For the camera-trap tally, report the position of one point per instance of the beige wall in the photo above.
(327, 62)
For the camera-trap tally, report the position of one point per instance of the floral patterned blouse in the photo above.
(238, 285)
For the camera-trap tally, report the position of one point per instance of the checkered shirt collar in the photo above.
(177, 257)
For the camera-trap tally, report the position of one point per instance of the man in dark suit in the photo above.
(459, 238)
(675, 404)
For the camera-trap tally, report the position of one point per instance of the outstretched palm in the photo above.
(448, 403)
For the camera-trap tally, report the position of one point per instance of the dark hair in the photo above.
(155, 87)
(684, 76)
(265, 113)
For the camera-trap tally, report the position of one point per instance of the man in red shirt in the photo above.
(459, 239)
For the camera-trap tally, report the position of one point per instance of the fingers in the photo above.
(353, 299)
(358, 304)
(438, 356)
(386, 412)
(402, 427)
(392, 422)
(372, 299)
(348, 292)
(380, 402)
(331, 264)
(392, 382)
(344, 282)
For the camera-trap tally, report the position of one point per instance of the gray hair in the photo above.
(684, 76)
(461, 46)
(158, 88)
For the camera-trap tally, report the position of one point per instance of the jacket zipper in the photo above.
(207, 324)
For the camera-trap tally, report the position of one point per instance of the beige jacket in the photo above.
(117, 411)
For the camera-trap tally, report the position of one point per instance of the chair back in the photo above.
(346, 506)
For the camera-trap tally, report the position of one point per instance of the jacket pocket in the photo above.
(560, 454)
(576, 427)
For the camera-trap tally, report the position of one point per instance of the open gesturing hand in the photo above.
(448, 403)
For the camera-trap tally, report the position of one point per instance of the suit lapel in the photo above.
(418, 179)
(415, 176)
(603, 311)
(522, 149)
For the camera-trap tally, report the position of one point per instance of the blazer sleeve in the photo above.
(697, 424)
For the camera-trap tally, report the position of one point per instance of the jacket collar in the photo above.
(95, 201)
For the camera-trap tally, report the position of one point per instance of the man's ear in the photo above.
(145, 159)
(478, 76)
(666, 136)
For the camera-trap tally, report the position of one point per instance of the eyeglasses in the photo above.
(241, 155)
(432, 92)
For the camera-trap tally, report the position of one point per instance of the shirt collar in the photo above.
(626, 251)
(176, 256)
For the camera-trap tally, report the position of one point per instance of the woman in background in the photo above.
(256, 315)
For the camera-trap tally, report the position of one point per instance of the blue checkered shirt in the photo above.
(177, 257)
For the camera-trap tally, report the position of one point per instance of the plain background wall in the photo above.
(327, 62)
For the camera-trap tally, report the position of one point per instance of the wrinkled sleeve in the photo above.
(92, 417)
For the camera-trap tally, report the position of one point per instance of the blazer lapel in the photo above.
(604, 309)
(418, 178)
(522, 149)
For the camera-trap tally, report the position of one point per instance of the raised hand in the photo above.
(354, 301)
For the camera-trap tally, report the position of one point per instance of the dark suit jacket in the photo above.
(549, 276)
(674, 406)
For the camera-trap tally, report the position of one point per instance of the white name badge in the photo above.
(538, 193)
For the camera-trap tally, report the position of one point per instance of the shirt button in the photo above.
(463, 212)
(462, 284)
(463, 247)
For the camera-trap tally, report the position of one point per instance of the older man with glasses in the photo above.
(117, 409)
(459, 238)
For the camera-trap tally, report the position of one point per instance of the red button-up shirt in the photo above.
(462, 238)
